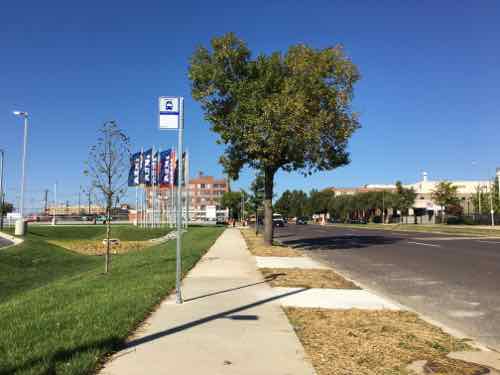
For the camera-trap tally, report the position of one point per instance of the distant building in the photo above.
(205, 193)
(466, 190)
(68, 210)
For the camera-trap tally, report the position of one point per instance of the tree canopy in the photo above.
(6, 208)
(233, 201)
(445, 194)
(289, 111)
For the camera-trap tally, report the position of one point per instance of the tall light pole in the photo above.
(23, 176)
(2, 201)
(492, 212)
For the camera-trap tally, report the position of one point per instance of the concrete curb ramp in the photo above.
(334, 299)
(14, 240)
(289, 262)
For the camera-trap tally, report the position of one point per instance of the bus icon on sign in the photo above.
(169, 105)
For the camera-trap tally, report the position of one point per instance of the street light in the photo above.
(2, 201)
(23, 178)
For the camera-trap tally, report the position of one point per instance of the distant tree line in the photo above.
(384, 204)
(369, 206)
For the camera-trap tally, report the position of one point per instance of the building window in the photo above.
(202, 186)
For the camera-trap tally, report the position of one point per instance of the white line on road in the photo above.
(489, 241)
(424, 244)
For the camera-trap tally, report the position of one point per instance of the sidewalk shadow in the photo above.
(207, 319)
(114, 344)
(268, 278)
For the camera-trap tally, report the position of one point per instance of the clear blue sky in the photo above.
(429, 97)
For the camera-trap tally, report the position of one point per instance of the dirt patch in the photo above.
(306, 278)
(257, 247)
(98, 248)
(360, 342)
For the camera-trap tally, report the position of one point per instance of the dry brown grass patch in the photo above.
(306, 278)
(361, 342)
(96, 247)
(257, 247)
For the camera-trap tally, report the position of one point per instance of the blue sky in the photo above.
(429, 95)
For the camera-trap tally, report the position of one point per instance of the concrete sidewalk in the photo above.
(231, 323)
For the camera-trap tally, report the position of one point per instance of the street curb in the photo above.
(479, 236)
(451, 331)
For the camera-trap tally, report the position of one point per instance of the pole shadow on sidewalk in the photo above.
(267, 278)
(207, 319)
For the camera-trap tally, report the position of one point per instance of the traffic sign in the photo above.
(169, 112)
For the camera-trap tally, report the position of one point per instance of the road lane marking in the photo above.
(489, 241)
(424, 244)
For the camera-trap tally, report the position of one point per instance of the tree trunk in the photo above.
(108, 235)
(268, 206)
(256, 220)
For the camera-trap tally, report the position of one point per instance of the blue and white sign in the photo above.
(169, 112)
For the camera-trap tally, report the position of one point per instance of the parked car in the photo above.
(278, 220)
(357, 221)
(301, 221)
(102, 219)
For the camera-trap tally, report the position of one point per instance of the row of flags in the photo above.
(153, 168)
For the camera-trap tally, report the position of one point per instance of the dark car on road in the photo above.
(301, 221)
(278, 220)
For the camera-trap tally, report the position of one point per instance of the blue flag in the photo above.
(145, 175)
(166, 159)
(135, 169)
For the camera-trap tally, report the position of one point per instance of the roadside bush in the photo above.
(467, 220)
(454, 220)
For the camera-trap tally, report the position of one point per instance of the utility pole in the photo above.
(242, 204)
(479, 199)
(383, 206)
(79, 201)
(90, 199)
(491, 205)
(55, 204)
(45, 200)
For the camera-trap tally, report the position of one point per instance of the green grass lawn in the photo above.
(434, 228)
(59, 314)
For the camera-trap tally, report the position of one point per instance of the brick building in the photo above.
(205, 193)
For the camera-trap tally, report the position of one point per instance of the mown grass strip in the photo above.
(68, 314)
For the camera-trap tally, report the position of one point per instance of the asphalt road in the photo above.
(452, 279)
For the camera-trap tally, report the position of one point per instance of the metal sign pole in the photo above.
(171, 116)
(179, 204)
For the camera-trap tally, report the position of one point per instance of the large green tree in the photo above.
(445, 194)
(284, 204)
(319, 201)
(6, 208)
(289, 111)
(405, 198)
(232, 200)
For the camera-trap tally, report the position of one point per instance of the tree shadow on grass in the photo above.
(114, 344)
(63, 356)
